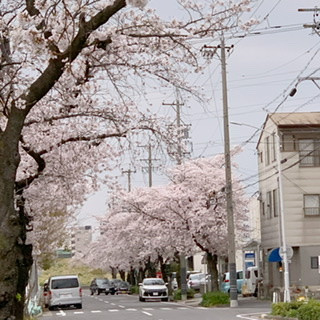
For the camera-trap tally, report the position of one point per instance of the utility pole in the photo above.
(149, 161)
(182, 257)
(209, 52)
(316, 23)
(128, 172)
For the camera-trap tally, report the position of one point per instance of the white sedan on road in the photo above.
(153, 288)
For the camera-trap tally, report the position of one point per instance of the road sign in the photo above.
(289, 252)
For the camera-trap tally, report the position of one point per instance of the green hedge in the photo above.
(211, 299)
(298, 309)
(134, 289)
(177, 294)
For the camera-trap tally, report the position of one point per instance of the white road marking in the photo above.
(166, 308)
(113, 310)
(61, 313)
(183, 308)
(121, 306)
(78, 312)
(249, 315)
(147, 313)
(149, 309)
(95, 311)
(131, 309)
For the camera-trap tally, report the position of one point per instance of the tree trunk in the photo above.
(141, 274)
(212, 260)
(131, 277)
(151, 269)
(163, 269)
(122, 275)
(15, 255)
(113, 273)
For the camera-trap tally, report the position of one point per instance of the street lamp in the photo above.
(284, 248)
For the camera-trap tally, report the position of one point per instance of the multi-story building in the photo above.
(81, 237)
(295, 138)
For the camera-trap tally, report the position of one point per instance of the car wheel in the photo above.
(98, 292)
(164, 299)
(142, 299)
(112, 293)
(79, 306)
(51, 308)
(106, 293)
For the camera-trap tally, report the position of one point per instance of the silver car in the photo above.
(153, 288)
(195, 280)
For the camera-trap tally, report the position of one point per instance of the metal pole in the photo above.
(286, 297)
(230, 218)
(150, 165)
(183, 264)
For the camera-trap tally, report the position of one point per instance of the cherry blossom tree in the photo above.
(71, 72)
(187, 215)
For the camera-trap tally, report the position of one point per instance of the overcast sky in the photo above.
(262, 69)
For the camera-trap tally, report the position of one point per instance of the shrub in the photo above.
(177, 294)
(217, 298)
(309, 311)
(134, 289)
(297, 309)
(286, 309)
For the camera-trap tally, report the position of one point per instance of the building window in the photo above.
(273, 147)
(275, 198)
(269, 205)
(267, 150)
(311, 205)
(262, 208)
(314, 262)
(309, 152)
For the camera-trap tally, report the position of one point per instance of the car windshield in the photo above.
(153, 282)
(197, 276)
(102, 281)
(65, 283)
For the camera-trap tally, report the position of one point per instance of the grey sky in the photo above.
(262, 68)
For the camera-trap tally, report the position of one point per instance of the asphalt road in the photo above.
(123, 307)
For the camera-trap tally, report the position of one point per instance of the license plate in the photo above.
(155, 293)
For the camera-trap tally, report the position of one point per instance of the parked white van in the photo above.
(250, 282)
(64, 291)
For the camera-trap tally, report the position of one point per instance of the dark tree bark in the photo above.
(122, 275)
(15, 254)
(212, 260)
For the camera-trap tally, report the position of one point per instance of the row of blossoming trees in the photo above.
(151, 226)
(72, 78)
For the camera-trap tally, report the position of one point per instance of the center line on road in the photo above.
(147, 313)
(131, 309)
(95, 311)
(78, 312)
(113, 310)
(121, 306)
(149, 309)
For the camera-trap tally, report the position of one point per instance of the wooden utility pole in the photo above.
(129, 173)
(182, 256)
(209, 52)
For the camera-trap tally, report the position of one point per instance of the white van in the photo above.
(64, 291)
(250, 282)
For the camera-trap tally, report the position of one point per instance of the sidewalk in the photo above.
(244, 302)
